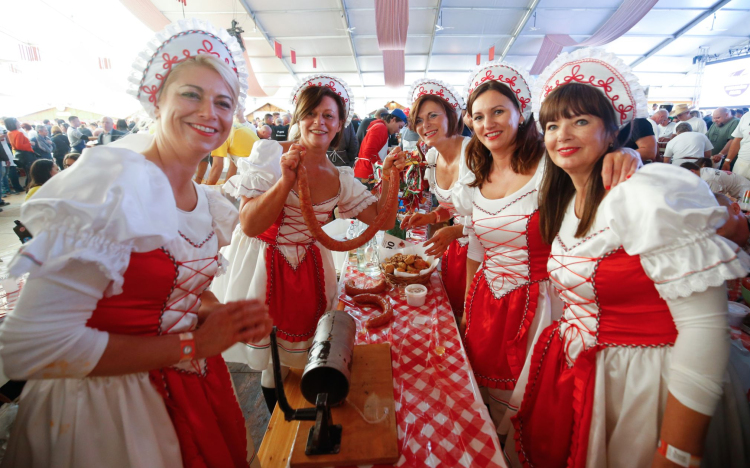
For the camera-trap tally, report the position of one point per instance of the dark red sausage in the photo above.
(382, 302)
(352, 290)
(308, 213)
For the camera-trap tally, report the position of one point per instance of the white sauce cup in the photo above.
(416, 294)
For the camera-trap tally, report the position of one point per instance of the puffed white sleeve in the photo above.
(259, 173)
(354, 195)
(110, 203)
(224, 216)
(45, 336)
(669, 217)
(462, 196)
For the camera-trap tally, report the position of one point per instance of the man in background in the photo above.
(736, 228)
(687, 146)
(281, 129)
(374, 147)
(656, 120)
(362, 130)
(739, 149)
(42, 143)
(75, 136)
(730, 184)
(681, 113)
(265, 132)
(109, 133)
(720, 133)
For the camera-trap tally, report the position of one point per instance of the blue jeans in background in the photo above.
(4, 185)
(13, 176)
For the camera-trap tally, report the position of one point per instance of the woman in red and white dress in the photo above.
(114, 330)
(509, 299)
(631, 373)
(436, 116)
(273, 255)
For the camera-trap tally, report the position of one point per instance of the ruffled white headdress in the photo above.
(436, 88)
(177, 42)
(507, 74)
(335, 83)
(603, 71)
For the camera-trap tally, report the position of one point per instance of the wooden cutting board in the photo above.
(362, 443)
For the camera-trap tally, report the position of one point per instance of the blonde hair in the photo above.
(209, 61)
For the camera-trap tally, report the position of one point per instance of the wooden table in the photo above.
(441, 418)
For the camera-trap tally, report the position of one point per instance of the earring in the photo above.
(522, 125)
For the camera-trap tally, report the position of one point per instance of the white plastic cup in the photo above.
(416, 294)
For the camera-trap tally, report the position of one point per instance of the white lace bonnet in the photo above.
(603, 71)
(176, 43)
(335, 83)
(508, 75)
(437, 88)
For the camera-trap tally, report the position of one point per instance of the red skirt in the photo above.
(552, 425)
(497, 331)
(453, 271)
(295, 297)
(205, 413)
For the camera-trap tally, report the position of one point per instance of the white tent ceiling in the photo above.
(444, 37)
(662, 45)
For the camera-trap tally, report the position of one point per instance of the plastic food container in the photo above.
(737, 312)
(416, 294)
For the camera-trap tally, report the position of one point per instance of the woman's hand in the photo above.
(209, 303)
(397, 158)
(619, 165)
(290, 161)
(417, 219)
(442, 239)
(231, 323)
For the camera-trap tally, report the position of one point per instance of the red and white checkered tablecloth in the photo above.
(442, 421)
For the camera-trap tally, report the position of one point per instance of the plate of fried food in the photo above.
(407, 265)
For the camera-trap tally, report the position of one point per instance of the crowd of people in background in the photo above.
(51, 146)
(672, 134)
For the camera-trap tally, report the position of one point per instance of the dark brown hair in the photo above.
(704, 162)
(529, 146)
(557, 189)
(455, 125)
(310, 98)
(41, 172)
